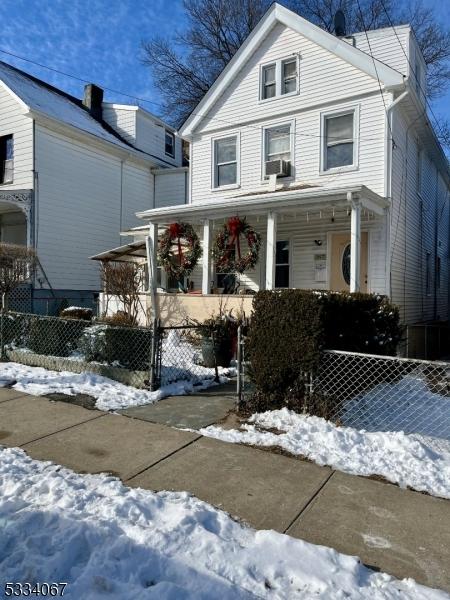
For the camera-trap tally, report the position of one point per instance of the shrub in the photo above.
(53, 336)
(289, 328)
(128, 347)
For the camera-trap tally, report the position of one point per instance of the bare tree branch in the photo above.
(17, 265)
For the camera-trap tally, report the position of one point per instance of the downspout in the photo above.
(388, 147)
(436, 234)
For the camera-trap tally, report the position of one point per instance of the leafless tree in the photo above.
(17, 266)
(124, 280)
(185, 65)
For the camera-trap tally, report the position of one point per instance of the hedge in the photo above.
(128, 347)
(289, 328)
(53, 336)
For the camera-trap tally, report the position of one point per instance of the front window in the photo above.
(170, 144)
(6, 159)
(225, 162)
(289, 83)
(279, 78)
(277, 144)
(269, 82)
(339, 141)
(282, 265)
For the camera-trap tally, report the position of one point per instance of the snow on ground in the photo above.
(400, 458)
(408, 405)
(107, 540)
(110, 395)
(181, 374)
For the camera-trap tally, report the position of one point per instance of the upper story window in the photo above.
(278, 145)
(269, 83)
(279, 78)
(339, 140)
(6, 159)
(170, 144)
(225, 161)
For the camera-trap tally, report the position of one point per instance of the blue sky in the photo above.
(100, 41)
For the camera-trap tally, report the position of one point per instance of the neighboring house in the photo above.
(361, 201)
(73, 174)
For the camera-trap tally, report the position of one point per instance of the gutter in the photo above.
(388, 142)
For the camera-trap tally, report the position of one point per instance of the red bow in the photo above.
(176, 231)
(235, 227)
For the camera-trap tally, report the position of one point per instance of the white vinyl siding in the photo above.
(14, 122)
(85, 198)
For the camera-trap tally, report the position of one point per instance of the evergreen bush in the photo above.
(289, 328)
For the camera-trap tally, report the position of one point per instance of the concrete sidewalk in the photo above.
(401, 532)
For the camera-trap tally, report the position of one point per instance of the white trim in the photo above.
(278, 64)
(217, 138)
(278, 14)
(264, 128)
(338, 112)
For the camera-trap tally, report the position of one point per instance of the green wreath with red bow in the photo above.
(179, 250)
(227, 249)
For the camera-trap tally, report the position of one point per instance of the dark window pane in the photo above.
(346, 264)
(340, 128)
(339, 155)
(269, 91)
(282, 253)
(226, 150)
(226, 174)
(282, 276)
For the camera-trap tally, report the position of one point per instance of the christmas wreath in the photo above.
(181, 262)
(227, 247)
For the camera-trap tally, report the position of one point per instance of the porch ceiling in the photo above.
(298, 200)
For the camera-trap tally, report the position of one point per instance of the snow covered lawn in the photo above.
(110, 395)
(403, 459)
(106, 540)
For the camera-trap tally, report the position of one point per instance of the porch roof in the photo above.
(124, 253)
(305, 198)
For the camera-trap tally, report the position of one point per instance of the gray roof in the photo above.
(56, 104)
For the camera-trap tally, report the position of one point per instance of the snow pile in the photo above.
(110, 395)
(407, 405)
(106, 540)
(400, 458)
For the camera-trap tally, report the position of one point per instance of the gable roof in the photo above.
(279, 14)
(40, 97)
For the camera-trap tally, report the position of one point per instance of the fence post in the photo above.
(2, 329)
(239, 364)
(153, 356)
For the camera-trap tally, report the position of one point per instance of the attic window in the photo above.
(6, 159)
(279, 78)
(170, 144)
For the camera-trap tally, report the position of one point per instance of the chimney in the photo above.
(339, 24)
(93, 98)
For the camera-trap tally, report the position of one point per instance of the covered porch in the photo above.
(311, 238)
(15, 217)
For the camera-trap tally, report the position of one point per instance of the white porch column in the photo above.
(271, 248)
(206, 263)
(151, 244)
(355, 245)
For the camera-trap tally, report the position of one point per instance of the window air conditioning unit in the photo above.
(279, 167)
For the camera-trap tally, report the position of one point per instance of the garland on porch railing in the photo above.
(181, 261)
(227, 247)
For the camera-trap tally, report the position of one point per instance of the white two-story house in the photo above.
(73, 174)
(360, 199)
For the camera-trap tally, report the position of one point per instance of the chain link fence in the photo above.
(122, 353)
(384, 393)
(144, 357)
(374, 393)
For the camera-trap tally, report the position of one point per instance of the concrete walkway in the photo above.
(401, 532)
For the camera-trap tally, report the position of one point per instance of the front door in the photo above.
(340, 262)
